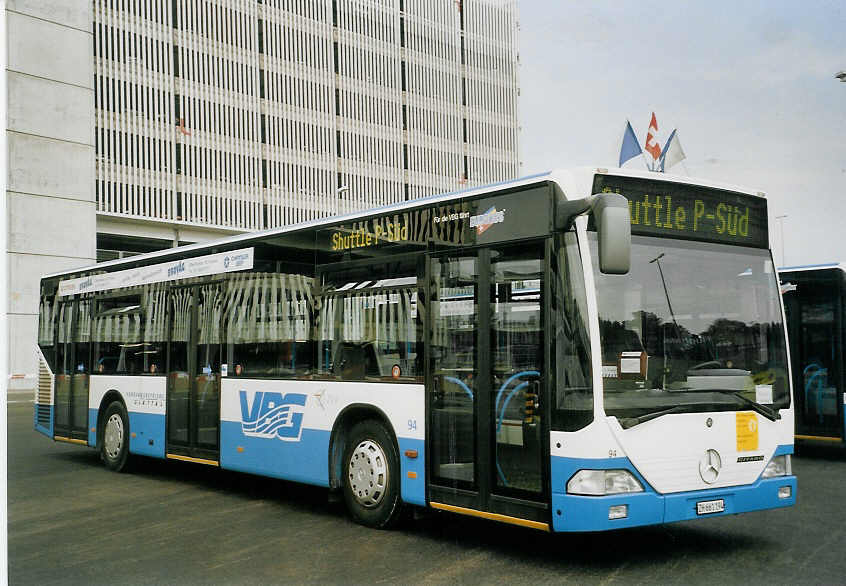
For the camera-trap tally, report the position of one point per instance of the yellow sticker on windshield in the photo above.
(747, 432)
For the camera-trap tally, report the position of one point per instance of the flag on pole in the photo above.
(673, 152)
(652, 146)
(630, 147)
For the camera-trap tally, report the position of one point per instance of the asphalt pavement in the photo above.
(71, 521)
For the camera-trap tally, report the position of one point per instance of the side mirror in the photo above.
(613, 226)
(614, 230)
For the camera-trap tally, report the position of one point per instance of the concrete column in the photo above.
(50, 138)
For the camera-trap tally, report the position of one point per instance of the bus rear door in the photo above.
(72, 371)
(193, 378)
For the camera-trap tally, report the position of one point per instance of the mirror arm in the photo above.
(567, 210)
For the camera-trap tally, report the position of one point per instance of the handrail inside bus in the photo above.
(505, 404)
(499, 426)
(508, 382)
(817, 376)
(461, 384)
(501, 412)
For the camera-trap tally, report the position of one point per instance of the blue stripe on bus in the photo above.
(304, 461)
(783, 450)
(817, 266)
(92, 425)
(147, 427)
(413, 490)
(307, 460)
(590, 513)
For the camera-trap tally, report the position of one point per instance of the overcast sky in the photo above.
(749, 85)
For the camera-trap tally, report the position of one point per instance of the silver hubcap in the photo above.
(368, 473)
(113, 436)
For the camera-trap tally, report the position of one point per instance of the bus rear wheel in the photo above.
(371, 476)
(114, 444)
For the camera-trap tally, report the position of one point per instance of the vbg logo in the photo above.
(176, 269)
(273, 415)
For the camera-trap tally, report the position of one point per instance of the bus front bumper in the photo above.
(594, 513)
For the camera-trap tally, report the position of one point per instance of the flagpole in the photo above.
(643, 154)
(651, 167)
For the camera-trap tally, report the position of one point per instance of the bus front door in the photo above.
(486, 351)
(193, 379)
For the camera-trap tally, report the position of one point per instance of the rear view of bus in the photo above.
(689, 411)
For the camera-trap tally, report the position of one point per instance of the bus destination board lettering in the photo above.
(660, 208)
(361, 236)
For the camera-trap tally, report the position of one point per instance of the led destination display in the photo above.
(659, 208)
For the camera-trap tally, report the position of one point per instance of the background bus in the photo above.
(814, 302)
(525, 352)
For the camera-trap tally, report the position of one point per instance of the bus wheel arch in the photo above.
(113, 429)
(347, 418)
(359, 428)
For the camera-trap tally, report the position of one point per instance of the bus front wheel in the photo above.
(371, 475)
(114, 447)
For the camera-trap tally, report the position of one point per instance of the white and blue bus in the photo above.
(572, 351)
(815, 302)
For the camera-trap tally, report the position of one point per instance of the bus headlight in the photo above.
(603, 482)
(778, 466)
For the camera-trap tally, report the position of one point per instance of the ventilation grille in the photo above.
(44, 397)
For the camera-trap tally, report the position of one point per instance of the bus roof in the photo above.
(565, 178)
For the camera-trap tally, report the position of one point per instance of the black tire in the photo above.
(115, 433)
(371, 475)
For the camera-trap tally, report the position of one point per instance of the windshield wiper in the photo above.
(627, 422)
(772, 415)
(767, 412)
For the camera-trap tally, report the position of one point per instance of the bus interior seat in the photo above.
(355, 360)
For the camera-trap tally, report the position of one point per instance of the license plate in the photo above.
(707, 507)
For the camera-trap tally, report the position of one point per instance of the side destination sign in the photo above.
(677, 210)
(211, 264)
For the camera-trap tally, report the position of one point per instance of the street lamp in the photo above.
(781, 232)
(841, 75)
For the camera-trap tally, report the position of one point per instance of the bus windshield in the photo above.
(693, 327)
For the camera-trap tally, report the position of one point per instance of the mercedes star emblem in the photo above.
(709, 466)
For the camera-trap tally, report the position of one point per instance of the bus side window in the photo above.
(82, 338)
(267, 323)
(369, 324)
(129, 333)
(572, 407)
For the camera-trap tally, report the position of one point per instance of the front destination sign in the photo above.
(662, 208)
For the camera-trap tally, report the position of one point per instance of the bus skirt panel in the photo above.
(305, 460)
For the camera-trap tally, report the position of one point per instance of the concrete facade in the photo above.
(50, 139)
(228, 116)
(156, 123)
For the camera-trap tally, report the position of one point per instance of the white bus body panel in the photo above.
(667, 451)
